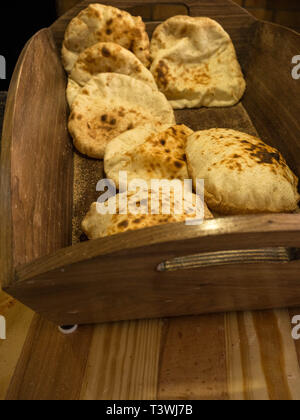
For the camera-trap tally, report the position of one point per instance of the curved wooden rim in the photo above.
(6, 231)
(232, 233)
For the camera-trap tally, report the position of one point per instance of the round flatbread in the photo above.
(195, 63)
(100, 23)
(242, 174)
(96, 225)
(111, 104)
(106, 57)
(148, 153)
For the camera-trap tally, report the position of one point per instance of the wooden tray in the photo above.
(47, 187)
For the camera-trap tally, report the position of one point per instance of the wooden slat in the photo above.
(6, 232)
(261, 357)
(52, 365)
(37, 154)
(246, 380)
(41, 156)
(18, 321)
(123, 362)
(193, 359)
(111, 361)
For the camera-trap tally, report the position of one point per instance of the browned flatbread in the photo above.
(242, 174)
(106, 57)
(96, 225)
(195, 63)
(100, 23)
(148, 153)
(110, 104)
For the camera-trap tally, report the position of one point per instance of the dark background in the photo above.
(18, 23)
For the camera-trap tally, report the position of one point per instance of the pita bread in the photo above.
(195, 63)
(111, 104)
(96, 225)
(106, 57)
(242, 174)
(100, 23)
(73, 90)
(148, 153)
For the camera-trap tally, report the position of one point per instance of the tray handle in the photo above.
(247, 256)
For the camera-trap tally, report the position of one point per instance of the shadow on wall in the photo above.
(284, 12)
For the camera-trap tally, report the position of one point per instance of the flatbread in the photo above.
(148, 153)
(242, 174)
(195, 63)
(100, 23)
(96, 225)
(111, 104)
(106, 57)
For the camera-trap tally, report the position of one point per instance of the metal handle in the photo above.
(247, 256)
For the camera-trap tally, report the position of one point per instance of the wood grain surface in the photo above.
(236, 356)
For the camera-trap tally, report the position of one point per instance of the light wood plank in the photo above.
(123, 361)
(193, 362)
(52, 365)
(291, 364)
(246, 377)
(261, 356)
(18, 320)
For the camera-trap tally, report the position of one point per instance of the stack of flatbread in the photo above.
(194, 64)
(122, 90)
(100, 23)
(111, 104)
(106, 53)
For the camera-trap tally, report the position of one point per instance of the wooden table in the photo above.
(224, 356)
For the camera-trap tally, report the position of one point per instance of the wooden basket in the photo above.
(47, 187)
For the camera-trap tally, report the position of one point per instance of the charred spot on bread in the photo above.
(105, 52)
(162, 72)
(178, 164)
(123, 224)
